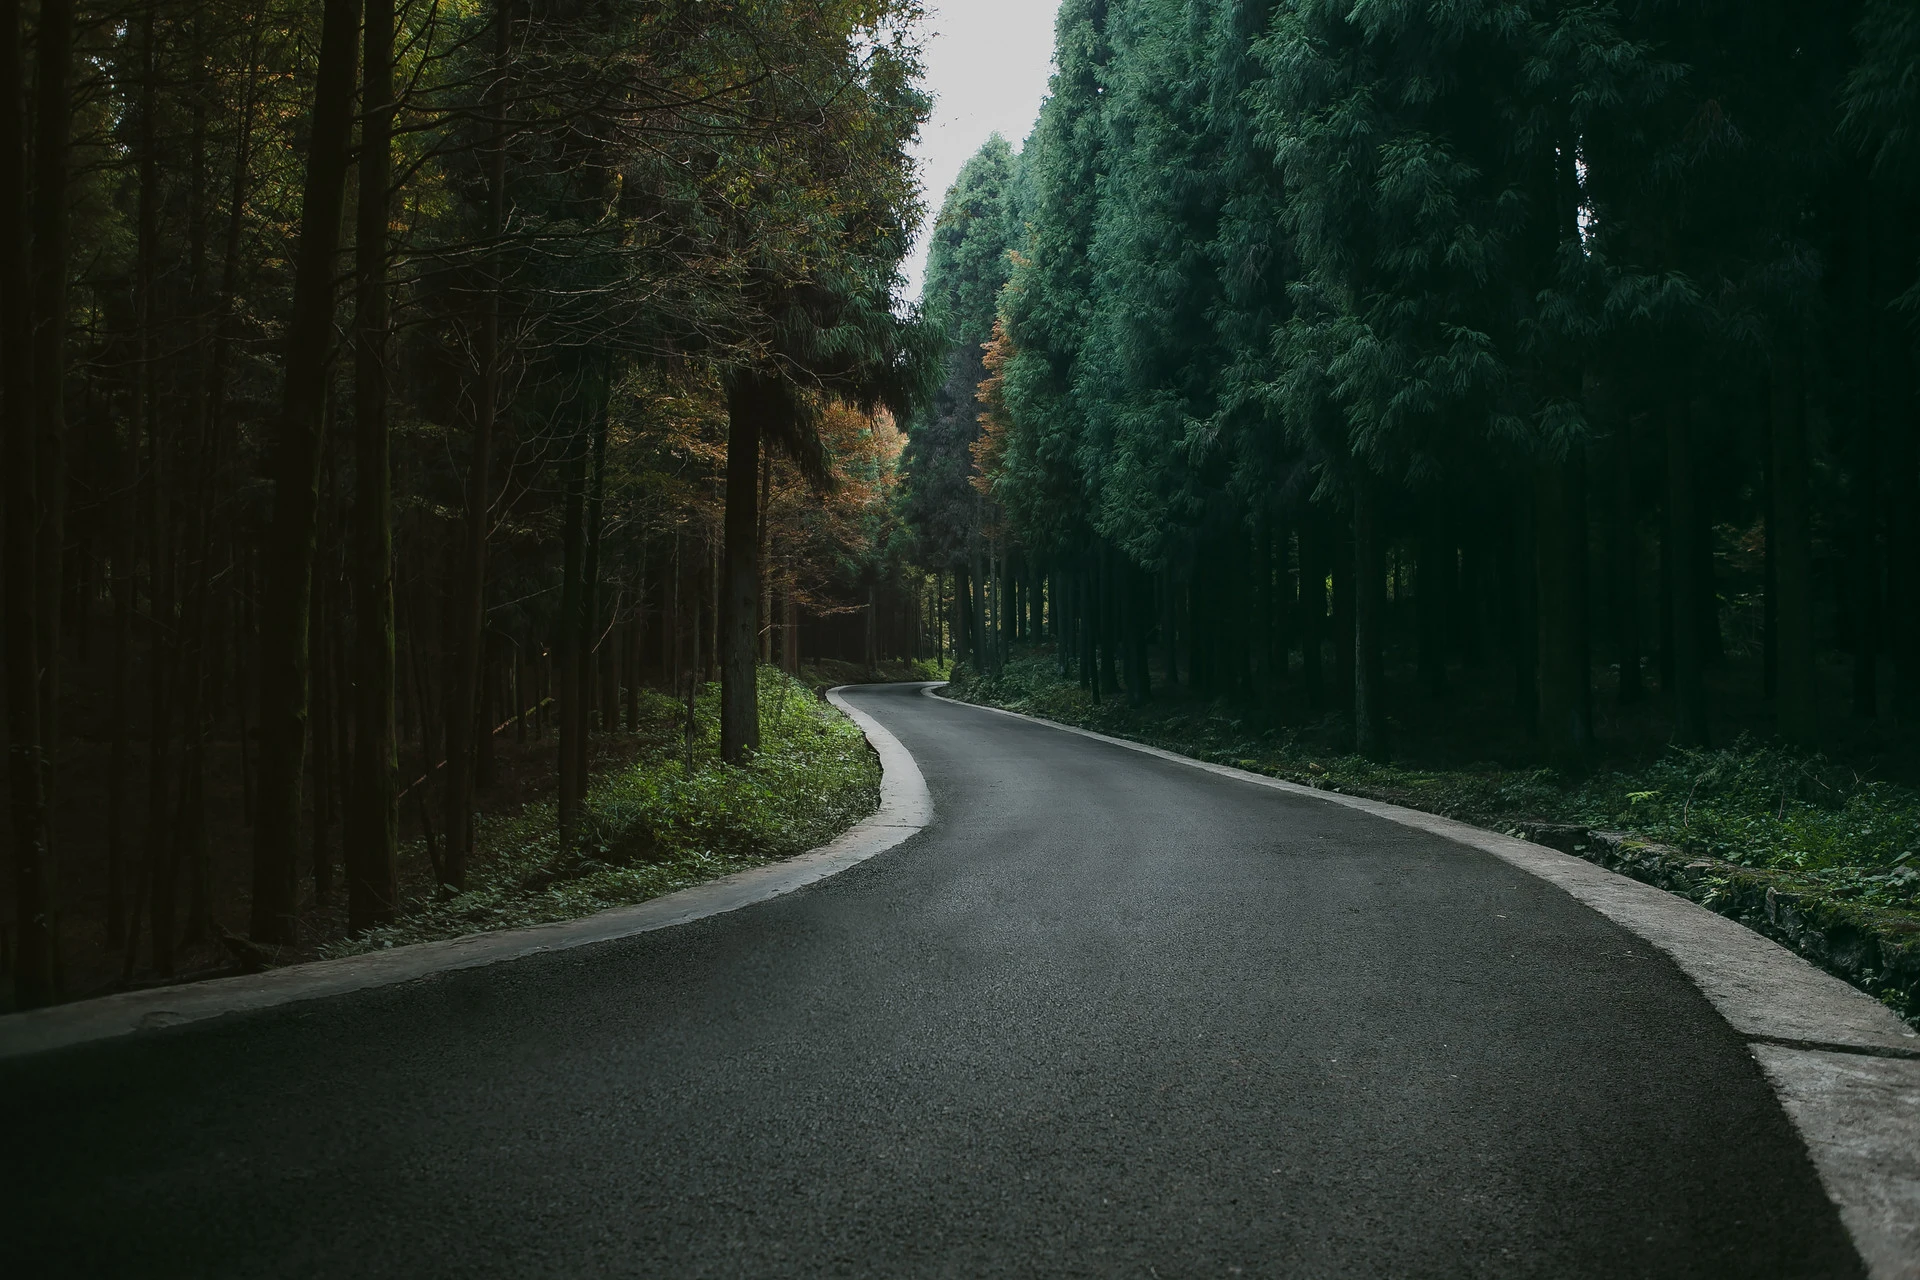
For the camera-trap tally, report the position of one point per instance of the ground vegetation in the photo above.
(663, 811)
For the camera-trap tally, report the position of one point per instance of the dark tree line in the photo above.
(1297, 329)
(386, 379)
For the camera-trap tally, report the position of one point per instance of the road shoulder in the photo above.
(905, 808)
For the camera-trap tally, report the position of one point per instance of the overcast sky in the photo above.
(987, 68)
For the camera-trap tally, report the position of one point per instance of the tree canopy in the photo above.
(1476, 327)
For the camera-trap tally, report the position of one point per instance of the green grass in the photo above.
(652, 827)
(1812, 825)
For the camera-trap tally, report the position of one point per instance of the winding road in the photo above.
(1106, 1016)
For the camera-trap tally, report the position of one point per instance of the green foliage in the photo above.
(1766, 808)
(968, 262)
(1047, 306)
(1882, 91)
(654, 826)
(1153, 457)
(967, 254)
(1517, 271)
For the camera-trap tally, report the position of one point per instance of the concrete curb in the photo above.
(1845, 1068)
(905, 808)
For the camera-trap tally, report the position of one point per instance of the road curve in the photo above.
(1107, 1016)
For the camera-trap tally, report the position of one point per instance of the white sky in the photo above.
(987, 67)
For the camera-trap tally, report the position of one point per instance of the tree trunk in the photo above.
(126, 484)
(1664, 613)
(1790, 537)
(594, 643)
(1560, 554)
(763, 621)
(1016, 616)
(1626, 568)
(1369, 571)
(1066, 587)
(324, 760)
(34, 937)
(747, 400)
(1014, 598)
(470, 587)
(670, 624)
(568, 630)
(1430, 601)
(992, 587)
(992, 610)
(1109, 615)
(1469, 616)
(1343, 611)
(790, 634)
(534, 691)
(1313, 607)
(372, 849)
(1902, 628)
(1769, 566)
(121, 694)
(586, 644)
(492, 687)
(1689, 687)
(1523, 603)
(1087, 614)
(190, 824)
(635, 646)
(295, 467)
(711, 667)
(957, 621)
(612, 635)
(978, 642)
(1286, 620)
(53, 117)
(1202, 646)
(1263, 633)
(160, 870)
(520, 693)
(1139, 621)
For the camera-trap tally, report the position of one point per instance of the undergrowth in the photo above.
(1849, 837)
(656, 826)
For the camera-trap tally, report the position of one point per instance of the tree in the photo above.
(372, 815)
(26, 751)
(285, 624)
(970, 254)
(464, 700)
(829, 329)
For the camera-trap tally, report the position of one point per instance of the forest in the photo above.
(1541, 365)
(409, 401)
(414, 409)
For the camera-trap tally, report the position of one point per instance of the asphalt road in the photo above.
(1108, 1016)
